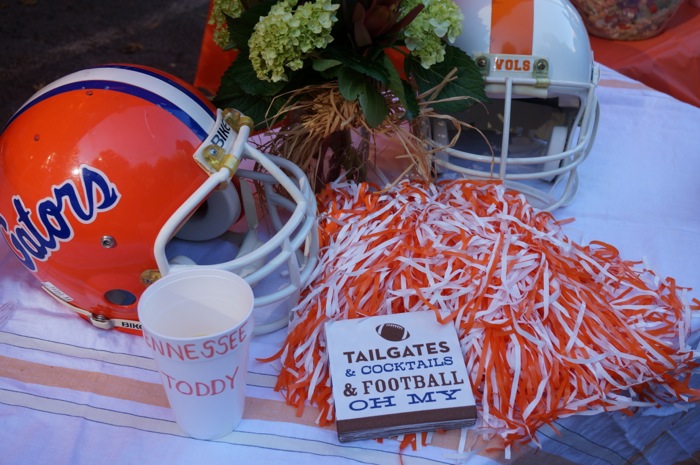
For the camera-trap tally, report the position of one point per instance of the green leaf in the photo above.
(241, 71)
(356, 86)
(401, 89)
(468, 81)
(395, 82)
(323, 64)
(350, 83)
(373, 105)
(411, 105)
(232, 95)
(363, 65)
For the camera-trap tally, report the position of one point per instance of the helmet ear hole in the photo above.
(213, 218)
(120, 297)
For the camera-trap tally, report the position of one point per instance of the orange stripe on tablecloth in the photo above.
(512, 24)
(85, 381)
(119, 387)
(269, 410)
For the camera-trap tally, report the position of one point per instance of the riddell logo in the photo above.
(513, 64)
(222, 134)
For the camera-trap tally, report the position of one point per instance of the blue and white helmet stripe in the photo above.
(139, 82)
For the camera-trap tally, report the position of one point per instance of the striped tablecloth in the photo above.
(73, 394)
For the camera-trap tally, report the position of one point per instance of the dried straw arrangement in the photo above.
(328, 137)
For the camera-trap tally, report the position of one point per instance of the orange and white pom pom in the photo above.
(548, 328)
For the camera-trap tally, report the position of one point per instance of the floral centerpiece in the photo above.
(331, 75)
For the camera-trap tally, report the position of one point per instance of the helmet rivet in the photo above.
(541, 65)
(481, 62)
(148, 277)
(108, 242)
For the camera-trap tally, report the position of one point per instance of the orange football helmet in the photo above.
(116, 175)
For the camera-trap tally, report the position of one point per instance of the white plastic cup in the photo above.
(199, 323)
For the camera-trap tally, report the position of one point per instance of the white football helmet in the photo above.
(541, 119)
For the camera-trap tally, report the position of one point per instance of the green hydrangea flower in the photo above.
(232, 8)
(287, 35)
(440, 20)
